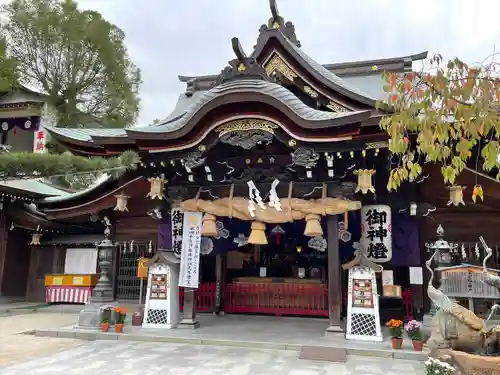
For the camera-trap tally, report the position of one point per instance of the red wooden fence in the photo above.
(284, 299)
(205, 297)
(281, 299)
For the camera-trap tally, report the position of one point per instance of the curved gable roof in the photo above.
(318, 71)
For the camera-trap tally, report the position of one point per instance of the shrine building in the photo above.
(285, 160)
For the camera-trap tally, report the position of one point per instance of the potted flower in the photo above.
(121, 313)
(396, 328)
(412, 328)
(104, 325)
(434, 366)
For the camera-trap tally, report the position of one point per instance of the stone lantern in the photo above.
(444, 249)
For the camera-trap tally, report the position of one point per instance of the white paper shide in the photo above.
(376, 232)
(190, 255)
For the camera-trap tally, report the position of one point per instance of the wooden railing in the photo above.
(291, 299)
(282, 299)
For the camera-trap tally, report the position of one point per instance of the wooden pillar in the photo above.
(334, 276)
(4, 234)
(189, 310)
(220, 283)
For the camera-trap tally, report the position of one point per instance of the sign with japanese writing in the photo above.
(177, 217)
(39, 141)
(190, 255)
(376, 236)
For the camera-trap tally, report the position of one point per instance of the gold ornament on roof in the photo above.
(156, 188)
(365, 183)
(277, 64)
(456, 195)
(245, 125)
(309, 91)
(242, 68)
(121, 202)
(336, 107)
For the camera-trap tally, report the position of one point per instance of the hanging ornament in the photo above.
(208, 227)
(277, 232)
(317, 243)
(258, 234)
(477, 192)
(5, 126)
(464, 254)
(365, 183)
(254, 198)
(456, 195)
(121, 202)
(35, 238)
(157, 187)
(313, 226)
(150, 246)
(274, 200)
(476, 250)
(27, 124)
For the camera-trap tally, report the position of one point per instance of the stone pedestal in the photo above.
(102, 294)
(189, 310)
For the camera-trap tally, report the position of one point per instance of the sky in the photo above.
(167, 38)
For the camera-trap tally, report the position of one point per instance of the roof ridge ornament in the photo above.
(242, 67)
(276, 22)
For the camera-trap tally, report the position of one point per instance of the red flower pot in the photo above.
(104, 327)
(417, 345)
(118, 328)
(397, 343)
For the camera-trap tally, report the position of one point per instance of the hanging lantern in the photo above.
(456, 195)
(313, 226)
(121, 202)
(258, 234)
(365, 183)
(157, 187)
(35, 239)
(277, 232)
(209, 226)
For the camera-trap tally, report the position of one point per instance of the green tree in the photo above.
(8, 69)
(447, 114)
(75, 57)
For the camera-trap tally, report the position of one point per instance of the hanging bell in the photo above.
(313, 226)
(258, 234)
(209, 227)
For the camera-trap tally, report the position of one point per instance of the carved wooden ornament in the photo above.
(121, 202)
(157, 187)
(365, 183)
(456, 195)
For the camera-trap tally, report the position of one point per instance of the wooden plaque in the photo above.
(142, 268)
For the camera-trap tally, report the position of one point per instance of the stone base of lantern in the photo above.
(91, 315)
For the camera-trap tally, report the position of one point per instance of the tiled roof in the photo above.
(32, 186)
(85, 135)
(262, 87)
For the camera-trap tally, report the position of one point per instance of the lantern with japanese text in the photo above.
(376, 232)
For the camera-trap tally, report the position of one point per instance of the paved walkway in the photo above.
(15, 348)
(109, 358)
